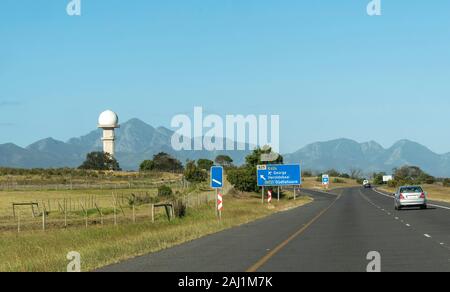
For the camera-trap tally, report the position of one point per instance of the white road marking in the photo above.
(391, 197)
(438, 206)
(397, 218)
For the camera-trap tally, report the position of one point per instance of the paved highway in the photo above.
(334, 233)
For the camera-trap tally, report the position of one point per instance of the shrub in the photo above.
(138, 200)
(392, 183)
(333, 173)
(446, 182)
(344, 175)
(165, 191)
(100, 161)
(243, 179)
(162, 162)
(147, 165)
(413, 175)
(378, 178)
(180, 208)
(194, 174)
(307, 173)
(360, 181)
(338, 181)
(205, 164)
(224, 160)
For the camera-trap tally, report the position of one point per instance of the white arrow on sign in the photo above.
(217, 182)
(263, 178)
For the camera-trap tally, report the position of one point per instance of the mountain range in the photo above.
(137, 141)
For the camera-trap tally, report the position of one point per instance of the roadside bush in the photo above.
(205, 164)
(194, 174)
(147, 165)
(338, 181)
(138, 200)
(243, 179)
(446, 182)
(378, 178)
(413, 175)
(180, 208)
(344, 175)
(392, 183)
(307, 173)
(360, 181)
(164, 191)
(333, 173)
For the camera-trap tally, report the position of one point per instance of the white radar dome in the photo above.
(108, 119)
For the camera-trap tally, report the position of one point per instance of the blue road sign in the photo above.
(278, 175)
(325, 179)
(217, 177)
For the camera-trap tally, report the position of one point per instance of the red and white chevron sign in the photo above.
(219, 202)
(269, 196)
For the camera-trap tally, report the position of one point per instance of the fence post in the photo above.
(43, 217)
(134, 214)
(115, 211)
(65, 213)
(18, 222)
(153, 213)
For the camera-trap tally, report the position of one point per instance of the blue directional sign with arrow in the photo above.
(278, 175)
(325, 179)
(217, 177)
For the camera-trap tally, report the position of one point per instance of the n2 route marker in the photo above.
(278, 175)
(325, 180)
(217, 184)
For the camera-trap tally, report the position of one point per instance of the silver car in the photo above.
(410, 196)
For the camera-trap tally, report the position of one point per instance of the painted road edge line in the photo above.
(277, 249)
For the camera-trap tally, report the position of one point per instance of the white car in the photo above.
(366, 184)
(410, 196)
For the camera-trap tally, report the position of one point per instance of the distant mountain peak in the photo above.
(344, 154)
(136, 122)
(136, 141)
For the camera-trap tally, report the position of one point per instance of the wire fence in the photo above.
(94, 210)
(16, 186)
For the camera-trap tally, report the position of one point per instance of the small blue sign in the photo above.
(325, 179)
(278, 175)
(217, 177)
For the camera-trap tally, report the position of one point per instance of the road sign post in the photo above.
(262, 195)
(216, 175)
(325, 180)
(219, 204)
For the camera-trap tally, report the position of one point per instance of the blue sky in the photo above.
(325, 67)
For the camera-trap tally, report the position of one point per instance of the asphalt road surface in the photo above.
(334, 233)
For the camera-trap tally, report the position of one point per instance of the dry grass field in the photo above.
(120, 231)
(99, 246)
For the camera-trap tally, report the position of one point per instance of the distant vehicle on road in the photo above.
(366, 184)
(410, 196)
